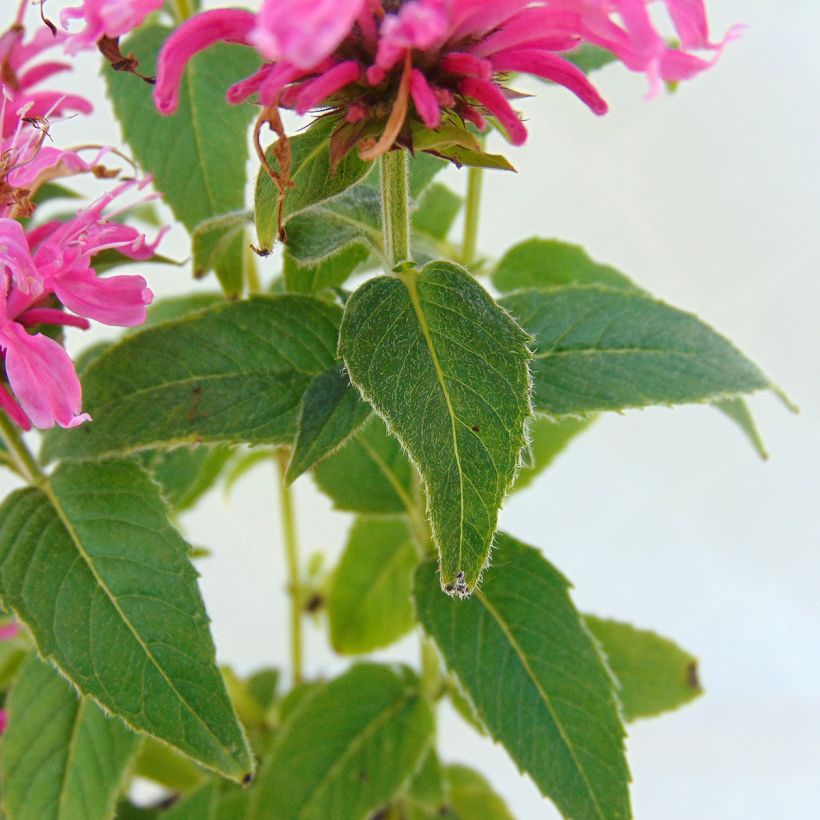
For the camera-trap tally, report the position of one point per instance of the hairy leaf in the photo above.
(447, 369)
(219, 245)
(332, 272)
(369, 602)
(603, 349)
(163, 765)
(198, 156)
(472, 797)
(346, 749)
(655, 674)
(425, 798)
(234, 373)
(62, 757)
(313, 180)
(186, 473)
(547, 263)
(536, 678)
(332, 411)
(384, 477)
(90, 564)
(353, 217)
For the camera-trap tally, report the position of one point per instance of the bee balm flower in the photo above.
(385, 66)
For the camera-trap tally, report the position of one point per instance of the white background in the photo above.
(708, 198)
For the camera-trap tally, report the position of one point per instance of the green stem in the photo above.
(475, 183)
(22, 458)
(430, 670)
(183, 9)
(395, 207)
(292, 558)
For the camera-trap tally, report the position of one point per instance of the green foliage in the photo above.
(89, 563)
(369, 603)
(433, 375)
(186, 474)
(331, 412)
(384, 477)
(314, 180)
(590, 58)
(346, 749)
(332, 272)
(234, 373)
(62, 757)
(605, 349)
(549, 698)
(198, 166)
(655, 675)
(546, 263)
(161, 764)
(738, 411)
(471, 796)
(437, 212)
(219, 245)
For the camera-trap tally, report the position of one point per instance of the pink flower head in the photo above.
(105, 18)
(55, 262)
(301, 33)
(391, 63)
(21, 75)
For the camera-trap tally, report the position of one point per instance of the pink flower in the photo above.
(431, 59)
(105, 18)
(20, 80)
(4, 720)
(9, 631)
(301, 33)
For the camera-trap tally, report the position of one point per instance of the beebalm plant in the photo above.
(419, 382)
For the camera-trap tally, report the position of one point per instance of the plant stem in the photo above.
(292, 558)
(22, 458)
(395, 207)
(183, 9)
(430, 670)
(475, 183)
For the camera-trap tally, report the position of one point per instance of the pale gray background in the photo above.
(709, 198)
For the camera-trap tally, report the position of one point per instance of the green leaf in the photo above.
(347, 750)
(547, 263)
(312, 178)
(369, 602)
(536, 678)
(738, 411)
(62, 757)
(461, 157)
(332, 272)
(655, 674)
(263, 686)
(186, 473)
(548, 439)
(353, 217)
(198, 156)
(331, 412)
(425, 797)
(219, 245)
(461, 703)
(162, 765)
(234, 373)
(447, 369)
(437, 212)
(175, 307)
(384, 477)
(602, 349)
(472, 797)
(90, 564)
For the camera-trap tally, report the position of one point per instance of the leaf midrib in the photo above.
(410, 282)
(502, 624)
(48, 490)
(353, 747)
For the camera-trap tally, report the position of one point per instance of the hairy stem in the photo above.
(395, 207)
(292, 559)
(21, 457)
(475, 183)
